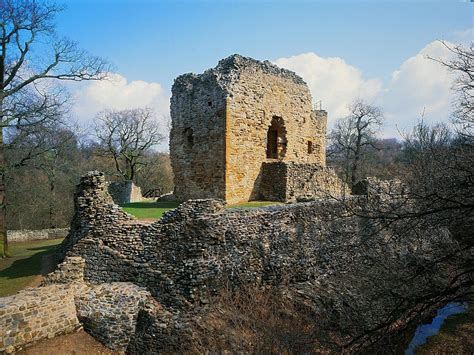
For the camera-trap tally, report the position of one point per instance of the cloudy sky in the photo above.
(344, 50)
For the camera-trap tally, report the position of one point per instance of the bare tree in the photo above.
(462, 65)
(127, 136)
(353, 135)
(32, 57)
(49, 150)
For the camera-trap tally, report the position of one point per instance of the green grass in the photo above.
(254, 204)
(155, 210)
(150, 210)
(25, 263)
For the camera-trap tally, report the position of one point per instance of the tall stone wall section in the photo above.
(262, 92)
(220, 122)
(125, 192)
(139, 287)
(197, 137)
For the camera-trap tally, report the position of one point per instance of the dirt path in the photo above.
(79, 343)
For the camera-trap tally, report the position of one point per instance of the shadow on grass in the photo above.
(28, 266)
(164, 204)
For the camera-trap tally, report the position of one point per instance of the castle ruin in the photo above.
(246, 130)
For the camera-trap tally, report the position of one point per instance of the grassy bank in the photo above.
(254, 204)
(155, 210)
(149, 210)
(28, 261)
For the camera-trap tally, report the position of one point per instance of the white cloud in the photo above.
(118, 94)
(332, 81)
(464, 36)
(418, 84)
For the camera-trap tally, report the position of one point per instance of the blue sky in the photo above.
(155, 41)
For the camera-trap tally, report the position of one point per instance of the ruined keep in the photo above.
(243, 130)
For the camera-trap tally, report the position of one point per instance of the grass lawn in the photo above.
(155, 210)
(253, 204)
(24, 265)
(149, 210)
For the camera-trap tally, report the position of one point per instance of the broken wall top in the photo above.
(228, 71)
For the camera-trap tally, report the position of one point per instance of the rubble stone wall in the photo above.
(299, 182)
(125, 192)
(197, 137)
(109, 312)
(35, 314)
(25, 235)
(65, 303)
(202, 247)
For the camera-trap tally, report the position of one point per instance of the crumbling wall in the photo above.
(125, 192)
(197, 137)
(292, 182)
(109, 312)
(221, 121)
(35, 314)
(264, 92)
(202, 247)
(65, 303)
(347, 269)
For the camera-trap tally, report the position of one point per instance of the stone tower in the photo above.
(246, 130)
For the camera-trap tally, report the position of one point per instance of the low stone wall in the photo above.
(297, 182)
(25, 235)
(109, 312)
(35, 314)
(65, 303)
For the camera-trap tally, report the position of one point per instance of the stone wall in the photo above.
(35, 314)
(323, 247)
(261, 93)
(65, 303)
(138, 287)
(291, 182)
(25, 235)
(220, 127)
(109, 312)
(197, 137)
(125, 192)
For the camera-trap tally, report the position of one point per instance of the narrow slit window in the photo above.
(189, 137)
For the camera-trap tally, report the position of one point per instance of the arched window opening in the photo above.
(276, 139)
(310, 147)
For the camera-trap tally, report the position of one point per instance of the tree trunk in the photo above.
(355, 164)
(51, 205)
(3, 227)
